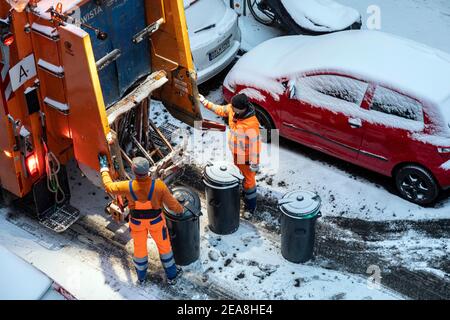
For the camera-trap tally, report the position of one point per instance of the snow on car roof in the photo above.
(413, 68)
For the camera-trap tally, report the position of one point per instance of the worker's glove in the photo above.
(254, 167)
(202, 98)
(103, 160)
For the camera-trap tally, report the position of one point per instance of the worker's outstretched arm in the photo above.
(115, 188)
(169, 200)
(222, 111)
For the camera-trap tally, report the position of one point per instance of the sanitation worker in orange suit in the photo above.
(244, 142)
(146, 198)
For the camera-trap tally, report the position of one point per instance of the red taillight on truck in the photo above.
(32, 165)
(8, 39)
(8, 154)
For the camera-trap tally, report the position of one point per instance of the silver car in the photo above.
(214, 35)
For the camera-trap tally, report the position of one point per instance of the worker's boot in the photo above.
(248, 213)
(173, 281)
(250, 202)
(141, 282)
(250, 206)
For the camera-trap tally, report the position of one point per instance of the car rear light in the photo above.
(444, 150)
(32, 165)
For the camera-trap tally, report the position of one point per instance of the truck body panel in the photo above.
(84, 72)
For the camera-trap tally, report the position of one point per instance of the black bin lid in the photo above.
(300, 204)
(223, 173)
(189, 199)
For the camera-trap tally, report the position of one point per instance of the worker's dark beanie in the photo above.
(240, 101)
(140, 167)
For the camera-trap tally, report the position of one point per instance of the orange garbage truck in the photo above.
(77, 77)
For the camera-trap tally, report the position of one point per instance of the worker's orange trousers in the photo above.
(249, 176)
(249, 185)
(140, 228)
(157, 228)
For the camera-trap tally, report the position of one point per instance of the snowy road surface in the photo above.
(245, 265)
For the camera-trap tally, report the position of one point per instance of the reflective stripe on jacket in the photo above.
(244, 138)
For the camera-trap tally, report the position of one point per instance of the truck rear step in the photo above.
(59, 219)
(41, 204)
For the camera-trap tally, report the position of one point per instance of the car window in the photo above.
(446, 113)
(396, 104)
(324, 90)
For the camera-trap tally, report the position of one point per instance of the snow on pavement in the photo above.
(247, 264)
(426, 21)
(250, 262)
(254, 33)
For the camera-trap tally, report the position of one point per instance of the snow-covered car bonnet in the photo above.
(202, 14)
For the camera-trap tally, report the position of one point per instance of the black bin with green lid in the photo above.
(300, 211)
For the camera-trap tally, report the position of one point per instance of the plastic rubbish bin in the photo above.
(222, 181)
(300, 211)
(184, 229)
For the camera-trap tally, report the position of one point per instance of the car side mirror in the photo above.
(292, 89)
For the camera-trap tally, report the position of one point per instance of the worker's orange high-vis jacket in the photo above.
(244, 136)
(141, 187)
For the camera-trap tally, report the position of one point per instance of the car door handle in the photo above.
(355, 122)
(287, 124)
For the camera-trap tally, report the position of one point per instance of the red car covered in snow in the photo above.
(377, 100)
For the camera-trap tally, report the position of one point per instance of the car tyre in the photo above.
(416, 184)
(266, 123)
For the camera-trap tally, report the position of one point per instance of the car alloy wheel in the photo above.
(417, 185)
